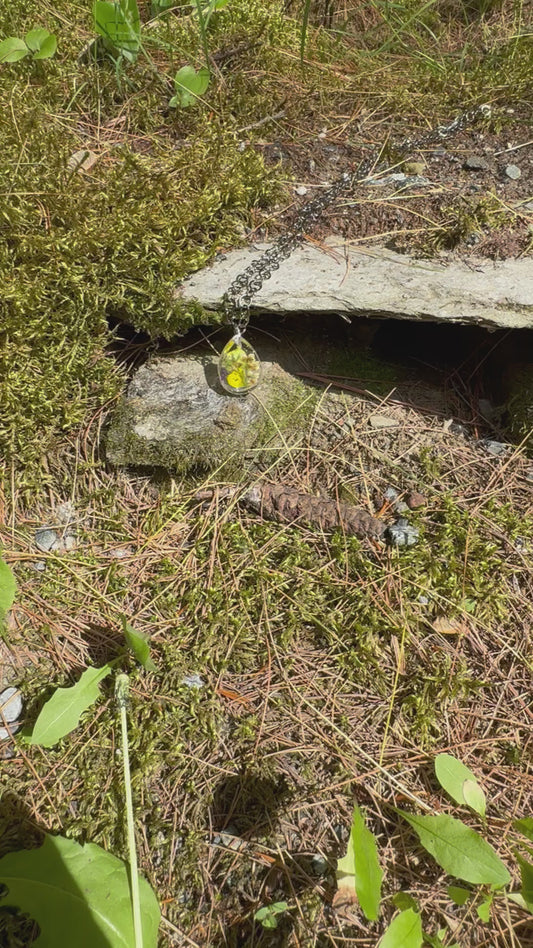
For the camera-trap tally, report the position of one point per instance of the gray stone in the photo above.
(497, 448)
(513, 172)
(351, 280)
(193, 681)
(406, 181)
(382, 421)
(46, 539)
(10, 704)
(476, 163)
(176, 415)
(402, 534)
(10, 710)
(390, 494)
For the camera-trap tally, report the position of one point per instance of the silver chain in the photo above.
(238, 297)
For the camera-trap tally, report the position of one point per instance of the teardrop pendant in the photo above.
(239, 368)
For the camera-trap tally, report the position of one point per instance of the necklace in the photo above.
(239, 366)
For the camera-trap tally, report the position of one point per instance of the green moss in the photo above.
(520, 408)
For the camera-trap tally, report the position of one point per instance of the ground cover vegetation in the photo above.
(295, 673)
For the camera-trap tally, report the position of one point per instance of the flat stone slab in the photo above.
(343, 279)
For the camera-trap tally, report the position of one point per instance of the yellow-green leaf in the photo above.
(61, 714)
(405, 931)
(458, 849)
(359, 870)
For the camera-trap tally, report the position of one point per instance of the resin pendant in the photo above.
(239, 367)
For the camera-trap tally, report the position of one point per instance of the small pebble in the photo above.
(415, 500)
(65, 512)
(382, 421)
(476, 163)
(193, 681)
(39, 566)
(497, 448)
(301, 190)
(11, 704)
(401, 507)
(46, 539)
(69, 543)
(513, 172)
(11, 708)
(319, 865)
(423, 600)
(121, 552)
(529, 475)
(414, 167)
(390, 494)
(402, 534)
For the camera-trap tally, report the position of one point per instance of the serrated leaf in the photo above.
(458, 895)
(458, 849)
(138, 643)
(12, 49)
(525, 827)
(78, 895)
(119, 23)
(451, 774)
(405, 931)
(8, 585)
(474, 797)
(47, 49)
(61, 714)
(190, 85)
(359, 869)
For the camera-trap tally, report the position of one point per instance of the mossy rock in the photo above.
(176, 416)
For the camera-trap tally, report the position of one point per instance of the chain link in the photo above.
(237, 299)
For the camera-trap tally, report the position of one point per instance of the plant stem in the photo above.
(121, 694)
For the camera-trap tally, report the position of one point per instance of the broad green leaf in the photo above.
(35, 39)
(458, 849)
(190, 85)
(474, 797)
(526, 873)
(452, 774)
(8, 585)
(12, 49)
(405, 931)
(62, 712)
(138, 643)
(360, 869)
(458, 895)
(47, 49)
(524, 826)
(519, 899)
(78, 895)
(119, 23)
(483, 910)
